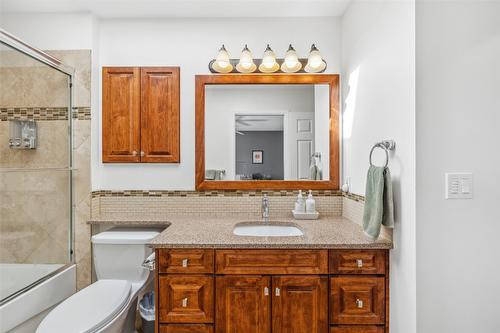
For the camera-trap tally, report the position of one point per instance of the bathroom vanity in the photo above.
(329, 280)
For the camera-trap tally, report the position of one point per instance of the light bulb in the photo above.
(222, 63)
(291, 63)
(269, 58)
(246, 59)
(315, 62)
(246, 64)
(315, 59)
(269, 64)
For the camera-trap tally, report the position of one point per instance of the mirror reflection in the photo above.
(267, 132)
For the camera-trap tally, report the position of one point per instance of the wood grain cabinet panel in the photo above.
(186, 328)
(357, 329)
(141, 114)
(186, 261)
(160, 114)
(243, 304)
(300, 304)
(203, 290)
(186, 299)
(357, 300)
(121, 114)
(357, 261)
(271, 261)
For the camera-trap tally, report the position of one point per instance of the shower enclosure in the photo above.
(36, 215)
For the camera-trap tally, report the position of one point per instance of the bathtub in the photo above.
(48, 286)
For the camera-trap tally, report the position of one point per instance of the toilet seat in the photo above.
(89, 309)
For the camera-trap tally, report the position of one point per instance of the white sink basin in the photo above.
(263, 229)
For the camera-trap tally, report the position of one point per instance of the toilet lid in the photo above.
(88, 309)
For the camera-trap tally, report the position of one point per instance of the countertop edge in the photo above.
(375, 246)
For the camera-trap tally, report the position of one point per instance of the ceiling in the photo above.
(181, 8)
(258, 123)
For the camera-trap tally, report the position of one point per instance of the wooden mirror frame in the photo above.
(219, 79)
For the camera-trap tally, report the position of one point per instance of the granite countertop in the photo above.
(217, 232)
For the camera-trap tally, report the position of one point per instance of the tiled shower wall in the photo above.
(33, 204)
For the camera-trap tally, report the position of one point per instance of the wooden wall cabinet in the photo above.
(272, 291)
(140, 114)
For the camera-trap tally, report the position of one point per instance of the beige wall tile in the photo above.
(51, 151)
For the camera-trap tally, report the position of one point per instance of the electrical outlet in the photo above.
(458, 185)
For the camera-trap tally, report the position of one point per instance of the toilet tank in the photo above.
(118, 253)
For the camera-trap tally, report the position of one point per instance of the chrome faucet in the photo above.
(265, 207)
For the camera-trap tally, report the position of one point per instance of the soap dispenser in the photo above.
(310, 203)
(300, 205)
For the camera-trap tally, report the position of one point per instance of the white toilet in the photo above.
(108, 305)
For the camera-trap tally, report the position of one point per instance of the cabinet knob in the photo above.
(359, 262)
(359, 303)
(134, 153)
(142, 153)
(184, 302)
(266, 291)
(277, 291)
(184, 262)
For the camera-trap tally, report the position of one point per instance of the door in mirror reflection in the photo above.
(267, 132)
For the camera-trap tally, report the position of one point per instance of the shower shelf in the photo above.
(35, 169)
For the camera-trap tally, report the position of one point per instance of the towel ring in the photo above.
(386, 145)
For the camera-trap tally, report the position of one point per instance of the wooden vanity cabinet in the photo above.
(272, 290)
(141, 114)
(186, 298)
(300, 304)
(243, 304)
(186, 328)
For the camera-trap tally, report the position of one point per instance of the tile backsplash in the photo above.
(155, 204)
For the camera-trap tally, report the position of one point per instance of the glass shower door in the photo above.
(35, 171)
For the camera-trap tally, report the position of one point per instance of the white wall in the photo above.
(191, 43)
(378, 89)
(51, 31)
(458, 122)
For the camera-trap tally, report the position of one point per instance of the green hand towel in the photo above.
(379, 206)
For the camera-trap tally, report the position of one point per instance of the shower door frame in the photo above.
(45, 58)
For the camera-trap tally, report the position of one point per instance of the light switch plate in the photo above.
(458, 185)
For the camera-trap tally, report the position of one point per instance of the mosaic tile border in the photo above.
(165, 193)
(355, 197)
(81, 113)
(43, 113)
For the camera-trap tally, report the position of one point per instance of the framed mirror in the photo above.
(267, 132)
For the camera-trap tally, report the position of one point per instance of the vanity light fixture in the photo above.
(269, 64)
(246, 64)
(222, 62)
(315, 62)
(291, 63)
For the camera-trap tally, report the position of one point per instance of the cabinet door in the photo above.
(357, 329)
(243, 304)
(300, 304)
(357, 300)
(160, 104)
(121, 114)
(186, 328)
(186, 299)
